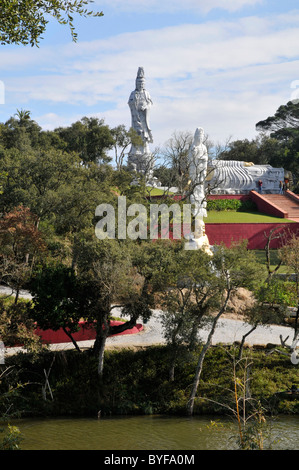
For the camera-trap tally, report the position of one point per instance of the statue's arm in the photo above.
(148, 98)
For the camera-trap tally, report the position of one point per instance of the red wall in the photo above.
(86, 332)
(240, 197)
(293, 196)
(254, 233)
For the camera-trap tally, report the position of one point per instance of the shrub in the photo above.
(278, 292)
(230, 205)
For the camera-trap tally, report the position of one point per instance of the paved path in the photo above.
(227, 332)
(8, 291)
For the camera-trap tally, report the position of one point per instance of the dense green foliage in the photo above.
(136, 382)
(24, 22)
(276, 145)
(51, 183)
(279, 292)
(230, 205)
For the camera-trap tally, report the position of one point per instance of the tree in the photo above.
(192, 294)
(17, 326)
(286, 117)
(90, 138)
(23, 115)
(241, 150)
(175, 169)
(107, 278)
(175, 156)
(20, 132)
(24, 22)
(233, 267)
(284, 128)
(11, 437)
(3, 177)
(21, 242)
(289, 253)
(122, 139)
(250, 417)
(262, 150)
(76, 199)
(61, 193)
(274, 234)
(260, 314)
(54, 290)
(34, 178)
(247, 412)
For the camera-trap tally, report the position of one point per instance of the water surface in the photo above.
(148, 433)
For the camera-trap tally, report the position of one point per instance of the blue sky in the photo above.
(220, 64)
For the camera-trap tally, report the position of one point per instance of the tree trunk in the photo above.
(128, 325)
(71, 338)
(173, 357)
(17, 296)
(296, 320)
(171, 372)
(101, 353)
(243, 341)
(268, 255)
(190, 404)
(102, 333)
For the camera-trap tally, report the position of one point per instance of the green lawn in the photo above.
(233, 217)
(157, 191)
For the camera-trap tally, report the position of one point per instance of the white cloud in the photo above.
(50, 121)
(222, 75)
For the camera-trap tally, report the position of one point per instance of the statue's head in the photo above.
(140, 84)
(140, 80)
(199, 135)
(200, 229)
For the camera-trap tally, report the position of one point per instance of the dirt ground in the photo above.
(240, 301)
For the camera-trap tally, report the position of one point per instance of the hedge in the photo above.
(230, 205)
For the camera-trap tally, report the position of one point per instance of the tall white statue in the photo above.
(140, 103)
(198, 164)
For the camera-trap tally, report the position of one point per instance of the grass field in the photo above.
(157, 191)
(234, 217)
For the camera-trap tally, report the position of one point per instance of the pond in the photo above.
(149, 433)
